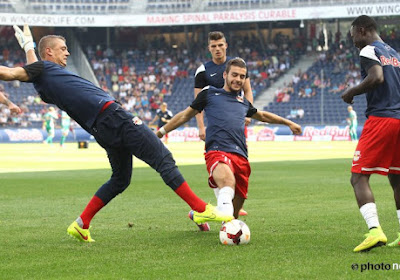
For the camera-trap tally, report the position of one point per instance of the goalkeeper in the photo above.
(115, 129)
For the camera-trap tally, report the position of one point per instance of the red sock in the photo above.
(94, 206)
(186, 193)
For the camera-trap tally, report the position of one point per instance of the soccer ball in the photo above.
(235, 232)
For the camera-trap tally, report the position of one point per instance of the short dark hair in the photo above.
(46, 42)
(237, 61)
(366, 22)
(215, 35)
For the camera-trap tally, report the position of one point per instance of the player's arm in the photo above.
(154, 120)
(248, 93)
(268, 117)
(25, 40)
(179, 119)
(200, 82)
(372, 66)
(15, 73)
(184, 116)
(13, 108)
(200, 118)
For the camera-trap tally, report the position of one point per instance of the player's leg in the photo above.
(242, 173)
(145, 145)
(63, 137)
(238, 202)
(243, 212)
(362, 189)
(351, 132)
(50, 135)
(355, 133)
(121, 164)
(224, 178)
(394, 180)
(366, 202)
(371, 156)
(221, 178)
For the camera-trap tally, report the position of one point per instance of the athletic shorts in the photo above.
(238, 164)
(378, 150)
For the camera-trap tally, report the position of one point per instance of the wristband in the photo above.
(162, 131)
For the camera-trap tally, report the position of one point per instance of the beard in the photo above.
(235, 87)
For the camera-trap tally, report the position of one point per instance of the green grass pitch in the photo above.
(303, 217)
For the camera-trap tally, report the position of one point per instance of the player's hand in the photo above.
(247, 121)
(24, 38)
(348, 96)
(202, 133)
(295, 128)
(159, 134)
(14, 109)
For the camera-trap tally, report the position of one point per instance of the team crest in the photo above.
(240, 97)
(137, 121)
(357, 155)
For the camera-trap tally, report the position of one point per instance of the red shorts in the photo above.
(378, 150)
(238, 164)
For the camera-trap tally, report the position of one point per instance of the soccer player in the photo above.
(115, 129)
(163, 115)
(226, 149)
(378, 150)
(48, 124)
(352, 120)
(65, 127)
(211, 74)
(11, 106)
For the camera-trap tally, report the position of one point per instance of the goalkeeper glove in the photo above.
(24, 38)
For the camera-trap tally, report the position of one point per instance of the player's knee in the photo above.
(353, 181)
(121, 183)
(224, 179)
(357, 179)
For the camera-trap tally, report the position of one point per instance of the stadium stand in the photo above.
(169, 6)
(168, 74)
(147, 74)
(322, 104)
(159, 6)
(80, 6)
(6, 6)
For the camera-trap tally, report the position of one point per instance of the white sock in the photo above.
(370, 214)
(79, 221)
(216, 192)
(398, 215)
(224, 200)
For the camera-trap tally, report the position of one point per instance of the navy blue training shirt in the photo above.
(81, 99)
(226, 112)
(384, 100)
(211, 74)
(166, 115)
